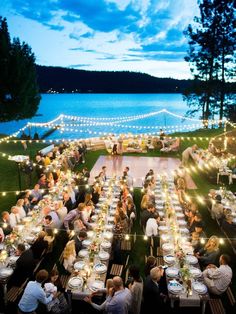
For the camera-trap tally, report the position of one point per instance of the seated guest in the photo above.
(180, 189)
(79, 238)
(35, 194)
(27, 205)
(228, 226)
(96, 192)
(60, 210)
(136, 289)
(40, 245)
(209, 253)
(2, 236)
(20, 206)
(42, 182)
(67, 202)
(151, 291)
(34, 294)
(24, 266)
(69, 256)
(5, 223)
(14, 217)
(48, 225)
(218, 279)
(53, 282)
(50, 211)
(217, 210)
(195, 241)
(78, 226)
(195, 222)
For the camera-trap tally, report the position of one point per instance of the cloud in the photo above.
(80, 65)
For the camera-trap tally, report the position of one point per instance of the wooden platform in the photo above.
(139, 166)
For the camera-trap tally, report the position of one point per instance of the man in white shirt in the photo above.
(151, 232)
(218, 279)
(14, 217)
(188, 154)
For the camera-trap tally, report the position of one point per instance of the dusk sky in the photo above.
(114, 35)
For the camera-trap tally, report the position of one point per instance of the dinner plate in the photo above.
(86, 242)
(94, 217)
(163, 228)
(182, 222)
(112, 212)
(172, 272)
(179, 215)
(110, 219)
(103, 255)
(169, 259)
(75, 282)
(29, 239)
(5, 272)
(191, 259)
(175, 287)
(83, 253)
(96, 285)
(36, 229)
(199, 287)
(100, 268)
(79, 265)
(13, 259)
(195, 272)
(107, 235)
(168, 247)
(27, 219)
(108, 227)
(184, 230)
(177, 207)
(105, 245)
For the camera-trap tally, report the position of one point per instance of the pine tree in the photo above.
(211, 55)
(20, 98)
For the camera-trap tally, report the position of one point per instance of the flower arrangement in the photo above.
(93, 250)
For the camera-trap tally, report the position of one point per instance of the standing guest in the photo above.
(69, 256)
(103, 173)
(40, 245)
(72, 216)
(119, 299)
(5, 223)
(151, 231)
(150, 263)
(136, 288)
(14, 217)
(188, 154)
(216, 278)
(34, 294)
(151, 291)
(79, 238)
(24, 266)
(146, 214)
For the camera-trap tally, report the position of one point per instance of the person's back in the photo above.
(34, 294)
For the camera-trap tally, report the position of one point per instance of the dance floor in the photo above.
(139, 166)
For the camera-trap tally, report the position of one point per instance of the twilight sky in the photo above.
(134, 35)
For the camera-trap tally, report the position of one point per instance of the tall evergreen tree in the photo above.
(211, 51)
(19, 98)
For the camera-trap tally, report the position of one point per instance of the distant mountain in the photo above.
(63, 80)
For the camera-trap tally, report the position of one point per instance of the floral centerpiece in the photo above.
(93, 250)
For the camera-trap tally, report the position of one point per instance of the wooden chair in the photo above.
(160, 260)
(126, 245)
(116, 270)
(64, 280)
(216, 306)
(15, 292)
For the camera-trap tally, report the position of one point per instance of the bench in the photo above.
(230, 296)
(125, 245)
(15, 292)
(116, 270)
(216, 306)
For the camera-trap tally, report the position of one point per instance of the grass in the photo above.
(204, 182)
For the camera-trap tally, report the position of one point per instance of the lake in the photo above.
(109, 106)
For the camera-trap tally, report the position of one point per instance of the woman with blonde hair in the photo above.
(21, 210)
(69, 256)
(210, 252)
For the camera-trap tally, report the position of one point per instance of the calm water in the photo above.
(105, 105)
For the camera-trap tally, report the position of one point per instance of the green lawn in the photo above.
(204, 182)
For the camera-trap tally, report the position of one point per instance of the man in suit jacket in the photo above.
(24, 266)
(151, 290)
(79, 238)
